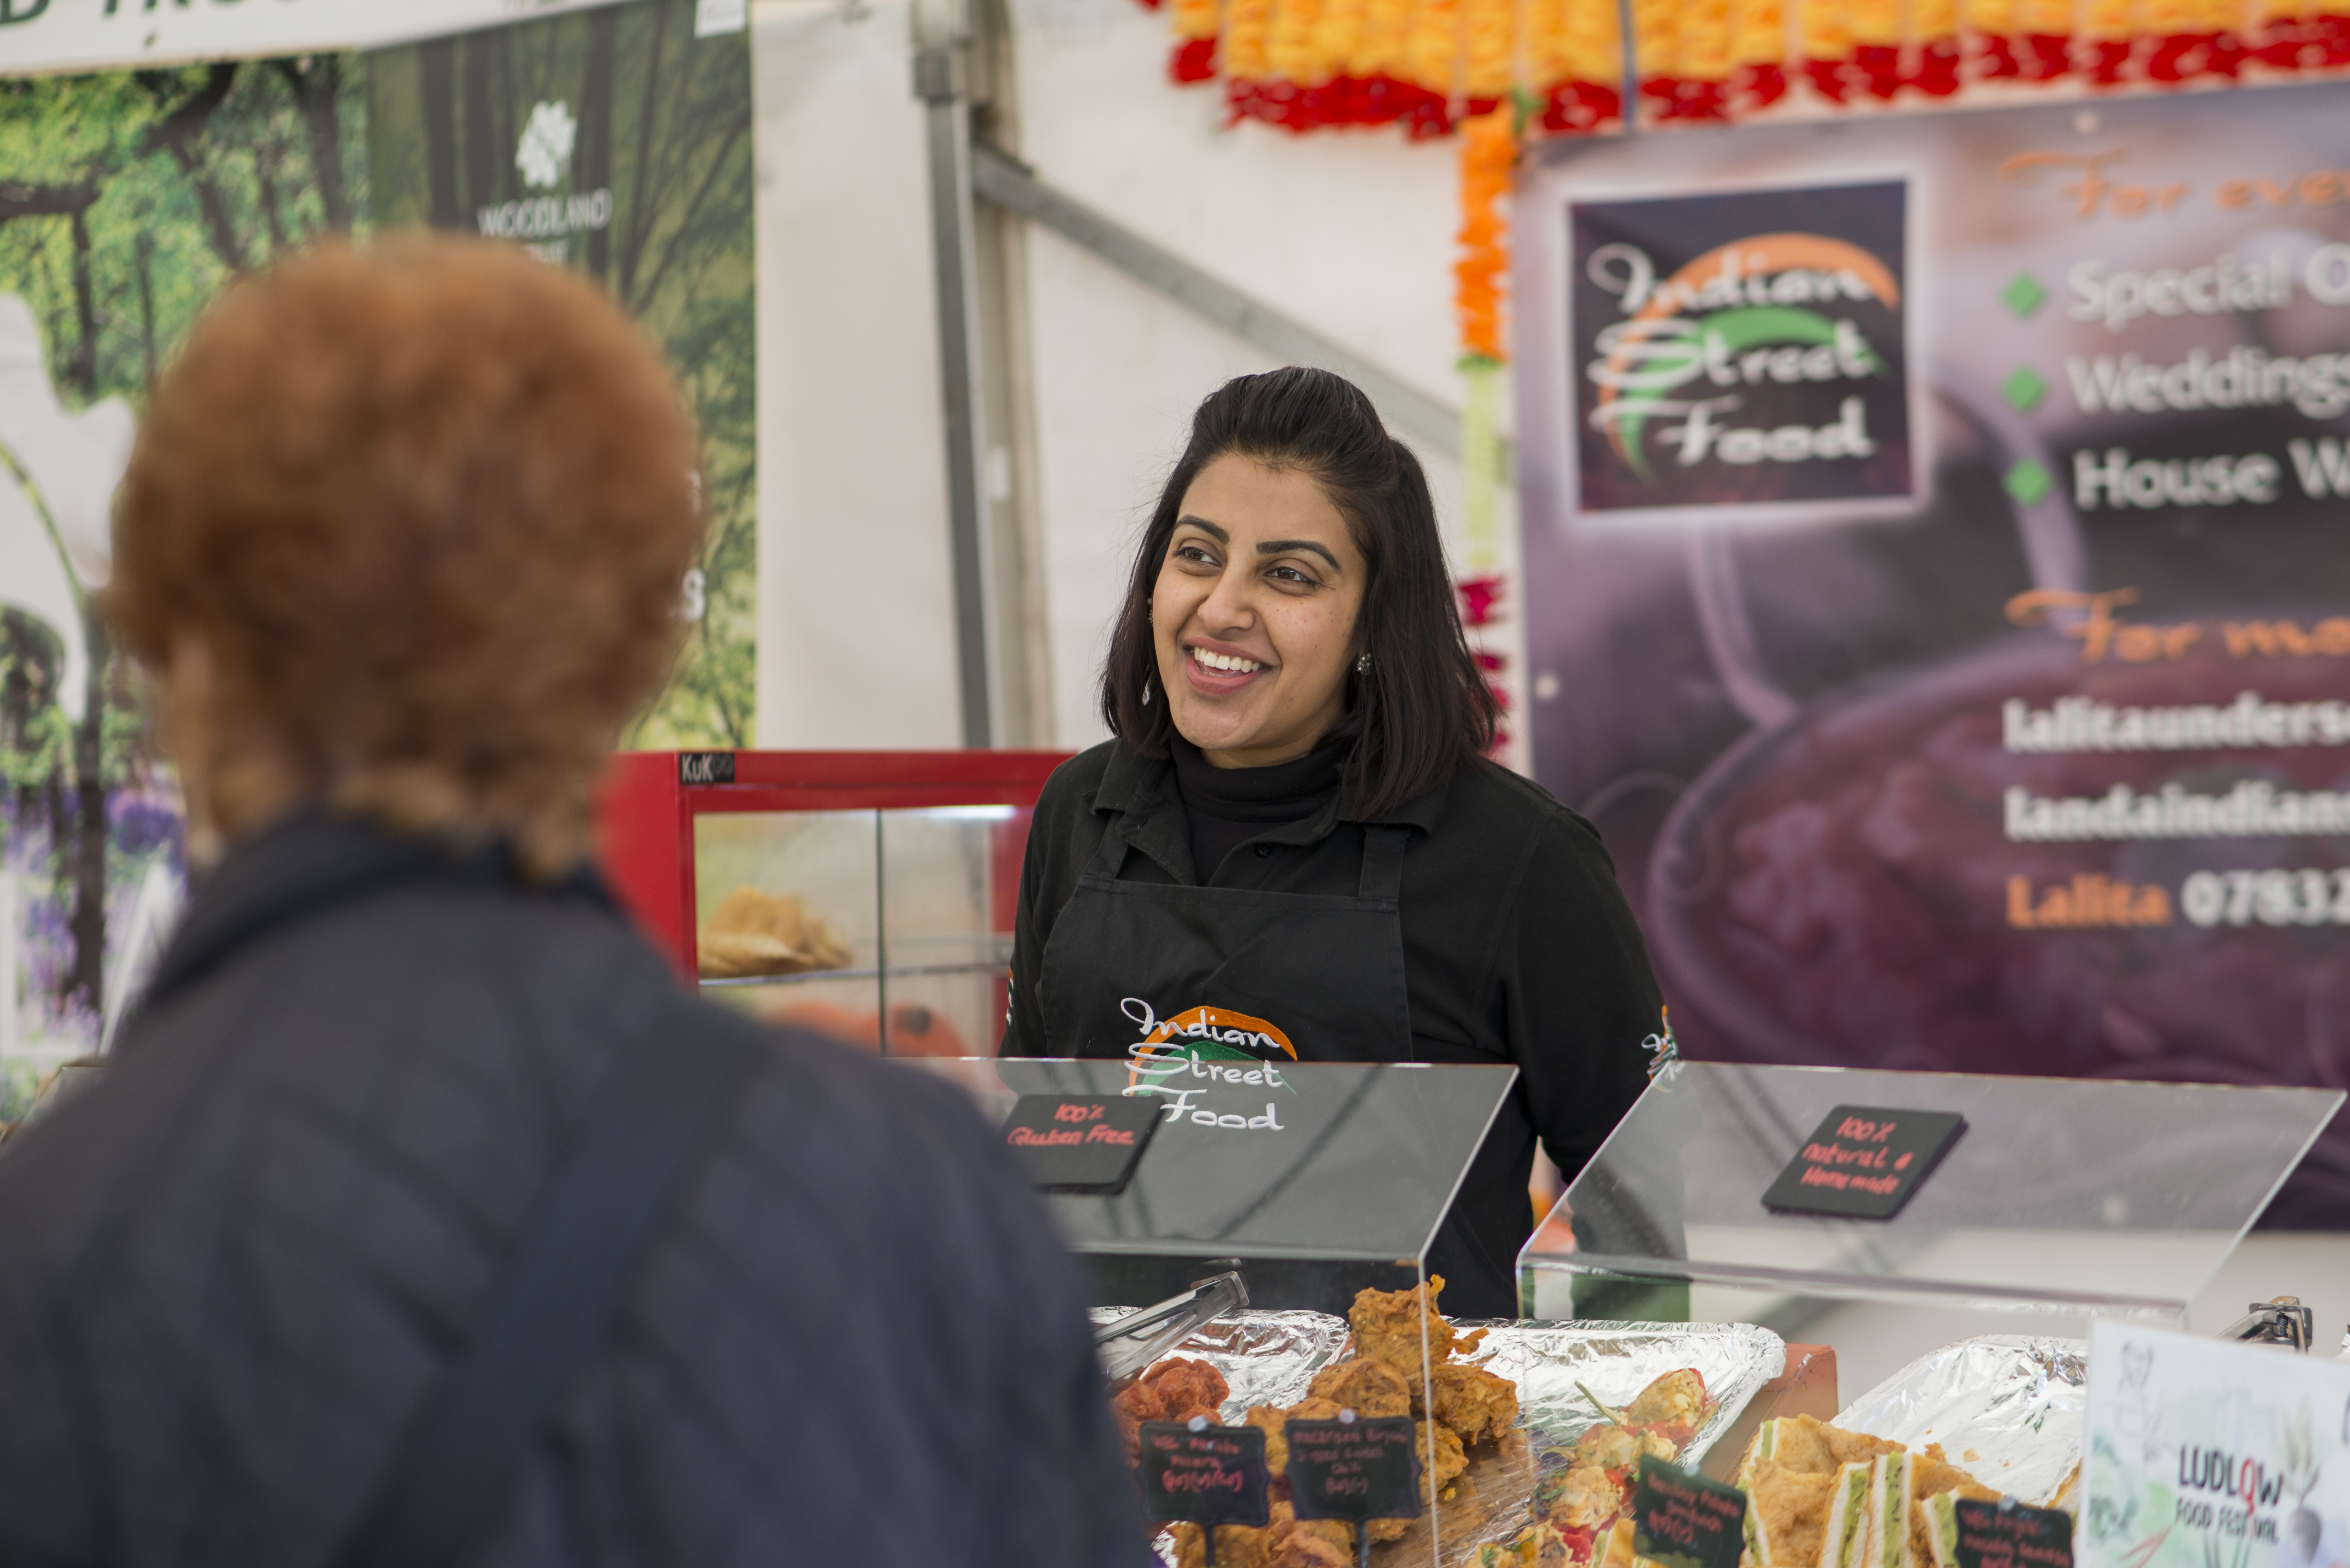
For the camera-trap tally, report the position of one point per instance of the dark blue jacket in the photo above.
(231, 1268)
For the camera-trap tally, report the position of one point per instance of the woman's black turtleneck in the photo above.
(1226, 807)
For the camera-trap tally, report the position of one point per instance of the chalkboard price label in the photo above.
(1684, 1520)
(1863, 1162)
(1081, 1143)
(2010, 1535)
(1208, 1475)
(1368, 1468)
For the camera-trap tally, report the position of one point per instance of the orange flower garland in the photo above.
(1488, 154)
(1489, 150)
(1308, 64)
(1304, 65)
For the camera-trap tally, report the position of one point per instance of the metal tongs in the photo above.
(2281, 1320)
(1129, 1343)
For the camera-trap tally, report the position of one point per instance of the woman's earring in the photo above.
(1363, 665)
(1146, 693)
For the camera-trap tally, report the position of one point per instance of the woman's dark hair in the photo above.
(1423, 711)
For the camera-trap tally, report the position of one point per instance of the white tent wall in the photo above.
(857, 646)
(1349, 234)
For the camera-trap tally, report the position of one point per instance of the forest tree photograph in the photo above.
(127, 199)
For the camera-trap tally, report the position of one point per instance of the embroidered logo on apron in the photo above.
(1206, 1028)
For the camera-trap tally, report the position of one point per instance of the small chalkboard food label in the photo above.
(1863, 1162)
(1971, 1534)
(1080, 1143)
(1208, 1475)
(706, 767)
(1684, 1520)
(1365, 1468)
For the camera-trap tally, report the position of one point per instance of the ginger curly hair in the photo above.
(429, 502)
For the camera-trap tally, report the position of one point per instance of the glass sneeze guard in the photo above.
(2062, 1195)
(1320, 1179)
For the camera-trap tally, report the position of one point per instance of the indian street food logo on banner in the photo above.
(1743, 352)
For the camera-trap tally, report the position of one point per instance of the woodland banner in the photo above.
(50, 36)
(615, 140)
(1938, 587)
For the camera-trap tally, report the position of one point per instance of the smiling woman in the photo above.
(1296, 831)
(1296, 535)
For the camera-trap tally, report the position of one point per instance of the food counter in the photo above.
(1279, 1218)
(2105, 1199)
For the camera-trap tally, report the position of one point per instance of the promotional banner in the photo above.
(129, 198)
(54, 36)
(617, 143)
(2203, 1453)
(1939, 589)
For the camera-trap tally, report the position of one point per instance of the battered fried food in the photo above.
(1449, 1457)
(1275, 1421)
(1473, 1402)
(1366, 1385)
(1387, 1325)
(754, 933)
(1237, 1546)
(1175, 1389)
(1184, 1384)
(1294, 1543)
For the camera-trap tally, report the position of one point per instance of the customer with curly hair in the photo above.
(421, 1216)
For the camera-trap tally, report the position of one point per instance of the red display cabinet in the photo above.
(869, 894)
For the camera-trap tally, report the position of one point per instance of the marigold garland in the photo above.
(1489, 156)
(1425, 64)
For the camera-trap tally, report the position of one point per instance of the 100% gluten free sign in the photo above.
(1080, 1143)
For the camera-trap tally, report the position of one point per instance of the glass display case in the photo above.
(1310, 1182)
(867, 894)
(1314, 1182)
(2059, 1196)
(2060, 1201)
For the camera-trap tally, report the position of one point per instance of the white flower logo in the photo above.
(545, 149)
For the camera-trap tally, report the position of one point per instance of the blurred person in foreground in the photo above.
(401, 543)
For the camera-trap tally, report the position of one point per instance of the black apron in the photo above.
(1313, 977)
(1307, 977)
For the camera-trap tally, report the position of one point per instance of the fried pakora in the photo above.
(1237, 1546)
(1387, 1327)
(1276, 1419)
(1294, 1543)
(1175, 1389)
(1473, 1402)
(1442, 1459)
(1366, 1385)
